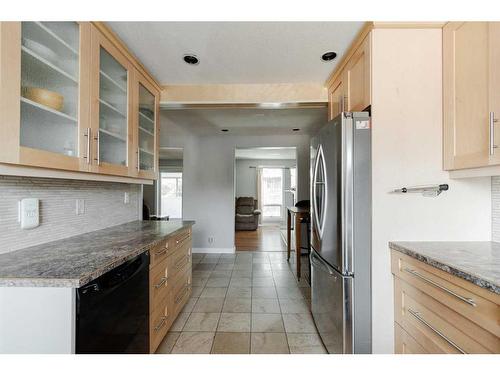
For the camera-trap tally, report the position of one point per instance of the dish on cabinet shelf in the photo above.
(40, 49)
(47, 98)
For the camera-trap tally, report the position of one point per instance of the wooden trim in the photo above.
(118, 43)
(475, 172)
(244, 93)
(41, 158)
(408, 25)
(367, 28)
(10, 91)
(23, 171)
(174, 106)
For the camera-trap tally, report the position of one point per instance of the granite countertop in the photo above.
(75, 261)
(476, 262)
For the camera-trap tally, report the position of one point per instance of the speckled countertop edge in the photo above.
(451, 269)
(85, 277)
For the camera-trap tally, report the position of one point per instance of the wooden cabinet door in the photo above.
(45, 94)
(465, 95)
(337, 100)
(146, 104)
(111, 109)
(358, 76)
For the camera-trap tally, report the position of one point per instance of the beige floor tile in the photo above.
(221, 273)
(201, 273)
(265, 305)
(240, 282)
(262, 281)
(218, 282)
(194, 343)
(269, 343)
(168, 343)
(259, 260)
(231, 343)
(294, 306)
(305, 343)
(264, 292)
(204, 267)
(239, 292)
(267, 323)
(202, 322)
(262, 267)
(179, 322)
(209, 305)
(196, 291)
(224, 266)
(213, 292)
(285, 292)
(262, 273)
(188, 307)
(299, 323)
(241, 273)
(199, 281)
(234, 322)
(237, 305)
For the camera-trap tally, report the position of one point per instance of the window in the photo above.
(272, 192)
(293, 178)
(171, 194)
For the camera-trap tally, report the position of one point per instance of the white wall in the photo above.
(208, 179)
(246, 177)
(406, 150)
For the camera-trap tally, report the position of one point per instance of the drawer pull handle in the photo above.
(161, 324)
(469, 301)
(418, 316)
(161, 252)
(161, 283)
(182, 294)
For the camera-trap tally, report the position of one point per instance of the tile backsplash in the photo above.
(103, 202)
(495, 209)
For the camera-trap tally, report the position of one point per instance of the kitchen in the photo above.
(71, 191)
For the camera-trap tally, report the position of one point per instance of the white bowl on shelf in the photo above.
(40, 49)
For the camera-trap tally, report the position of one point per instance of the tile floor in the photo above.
(248, 302)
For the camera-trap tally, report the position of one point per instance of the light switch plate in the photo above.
(29, 214)
(126, 198)
(80, 206)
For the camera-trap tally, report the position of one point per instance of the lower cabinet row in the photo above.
(169, 284)
(436, 312)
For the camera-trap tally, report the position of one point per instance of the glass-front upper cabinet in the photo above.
(146, 133)
(111, 127)
(52, 120)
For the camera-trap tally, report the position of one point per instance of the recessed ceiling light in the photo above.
(191, 59)
(224, 130)
(328, 56)
(295, 129)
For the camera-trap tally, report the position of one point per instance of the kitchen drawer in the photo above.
(179, 261)
(437, 328)
(463, 297)
(159, 283)
(405, 343)
(181, 291)
(179, 239)
(160, 252)
(160, 320)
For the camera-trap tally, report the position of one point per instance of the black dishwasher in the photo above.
(112, 311)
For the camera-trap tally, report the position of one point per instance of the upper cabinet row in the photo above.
(471, 95)
(351, 87)
(71, 99)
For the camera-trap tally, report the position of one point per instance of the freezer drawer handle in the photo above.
(161, 324)
(318, 262)
(161, 283)
(467, 300)
(418, 316)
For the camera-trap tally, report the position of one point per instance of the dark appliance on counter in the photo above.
(112, 311)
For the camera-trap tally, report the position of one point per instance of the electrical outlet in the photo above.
(126, 197)
(80, 206)
(211, 239)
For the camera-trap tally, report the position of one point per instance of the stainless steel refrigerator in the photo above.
(341, 233)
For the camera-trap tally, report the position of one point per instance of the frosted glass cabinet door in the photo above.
(50, 93)
(147, 130)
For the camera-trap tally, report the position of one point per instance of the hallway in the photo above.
(266, 238)
(248, 302)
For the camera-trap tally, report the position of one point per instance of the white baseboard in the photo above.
(208, 250)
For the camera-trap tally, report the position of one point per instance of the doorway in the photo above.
(265, 184)
(169, 188)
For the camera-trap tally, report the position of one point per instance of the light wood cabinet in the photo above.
(351, 89)
(170, 283)
(436, 312)
(471, 108)
(70, 100)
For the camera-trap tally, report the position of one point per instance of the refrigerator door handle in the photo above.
(318, 262)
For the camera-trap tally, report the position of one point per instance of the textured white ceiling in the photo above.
(238, 52)
(246, 121)
(274, 153)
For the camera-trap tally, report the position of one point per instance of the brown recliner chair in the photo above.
(247, 214)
